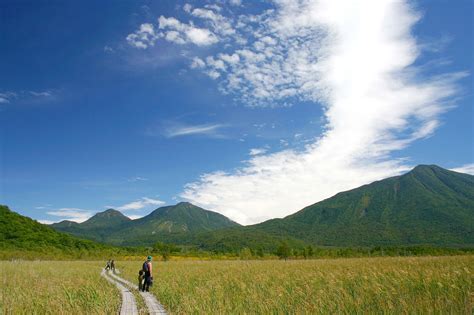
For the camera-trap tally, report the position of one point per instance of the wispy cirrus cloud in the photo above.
(137, 179)
(180, 130)
(7, 97)
(357, 61)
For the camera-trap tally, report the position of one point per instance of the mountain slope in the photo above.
(20, 233)
(428, 205)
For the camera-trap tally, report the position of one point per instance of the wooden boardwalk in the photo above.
(129, 305)
(153, 305)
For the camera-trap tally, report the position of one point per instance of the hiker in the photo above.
(112, 266)
(141, 276)
(107, 266)
(148, 274)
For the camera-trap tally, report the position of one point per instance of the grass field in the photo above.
(358, 285)
(53, 287)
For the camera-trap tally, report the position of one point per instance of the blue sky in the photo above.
(252, 110)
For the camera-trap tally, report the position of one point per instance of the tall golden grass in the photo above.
(409, 285)
(53, 287)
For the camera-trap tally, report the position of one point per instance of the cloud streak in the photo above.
(12, 97)
(190, 130)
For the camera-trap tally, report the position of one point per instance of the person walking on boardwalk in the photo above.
(148, 270)
(107, 266)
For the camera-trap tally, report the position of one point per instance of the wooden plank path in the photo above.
(154, 307)
(129, 306)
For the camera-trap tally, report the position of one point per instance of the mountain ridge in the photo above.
(428, 205)
(183, 217)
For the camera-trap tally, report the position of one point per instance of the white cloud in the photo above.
(182, 33)
(257, 151)
(144, 37)
(235, 2)
(357, 61)
(232, 59)
(139, 204)
(172, 30)
(187, 7)
(177, 130)
(72, 214)
(201, 36)
(219, 24)
(197, 63)
(134, 217)
(46, 221)
(467, 169)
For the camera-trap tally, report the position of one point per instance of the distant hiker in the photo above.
(107, 266)
(112, 266)
(141, 276)
(148, 274)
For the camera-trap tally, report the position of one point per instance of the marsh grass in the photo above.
(409, 285)
(406, 285)
(53, 287)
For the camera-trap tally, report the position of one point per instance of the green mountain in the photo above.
(164, 223)
(428, 205)
(97, 228)
(19, 233)
(183, 217)
(108, 219)
(64, 224)
(176, 222)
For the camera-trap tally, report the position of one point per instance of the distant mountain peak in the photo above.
(68, 221)
(185, 203)
(65, 223)
(423, 167)
(105, 219)
(110, 212)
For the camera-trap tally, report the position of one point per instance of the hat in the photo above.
(148, 258)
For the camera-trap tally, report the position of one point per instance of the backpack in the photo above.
(145, 267)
